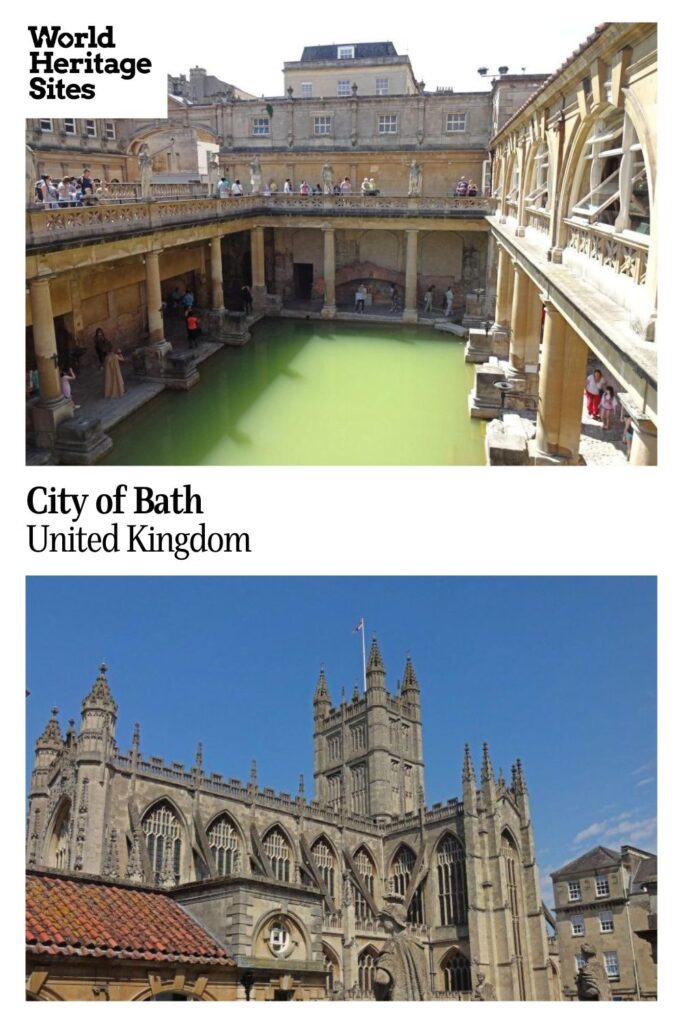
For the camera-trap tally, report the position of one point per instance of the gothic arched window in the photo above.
(161, 829)
(224, 843)
(331, 968)
(325, 861)
(402, 869)
(457, 976)
(366, 970)
(61, 835)
(366, 869)
(513, 878)
(279, 853)
(450, 866)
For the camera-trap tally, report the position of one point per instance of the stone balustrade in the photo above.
(52, 228)
(624, 255)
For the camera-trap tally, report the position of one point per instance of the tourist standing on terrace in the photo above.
(101, 346)
(113, 378)
(247, 301)
(594, 387)
(429, 298)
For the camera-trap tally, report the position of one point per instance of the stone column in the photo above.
(561, 385)
(44, 340)
(503, 292)
(51, 407)
(155, 318)
(410, 308)
(644, 443)
(519, 317)
(216, 274)
(258, 268)
(329, 309)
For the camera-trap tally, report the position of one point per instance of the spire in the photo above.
(111, 862)
(134, 870)
(322, 694)
(253, 775)
(468, 766)
(410, 682)
(199, 758)
(51, 735)
(375, 674)
(486, 766)
(520, 781)
(100, 694)
(375, 663)
(167, 865)
(302, 787)
(136, 737)
(501, 779)
(356, 695)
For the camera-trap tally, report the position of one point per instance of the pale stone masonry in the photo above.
(294, 889)
(601, 899)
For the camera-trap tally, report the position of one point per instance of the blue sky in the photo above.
(560, 671)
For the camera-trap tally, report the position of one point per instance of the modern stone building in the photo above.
(603, 898)
(293, 889)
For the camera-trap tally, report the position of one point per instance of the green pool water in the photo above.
(315, 393)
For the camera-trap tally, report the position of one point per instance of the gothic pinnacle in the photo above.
(486, 766)
(253, 775)
(375, 662)
(409, 678)
(322, 694)
(468, 766)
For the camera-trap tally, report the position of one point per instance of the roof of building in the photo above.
(595, 34)
(361, 51)
(645, 873)
(69, 917)
(598, 857)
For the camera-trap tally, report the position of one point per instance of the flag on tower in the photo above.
(359, 627)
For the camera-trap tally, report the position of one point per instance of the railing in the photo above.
(62, 225)
(625, 256)
(332, 920)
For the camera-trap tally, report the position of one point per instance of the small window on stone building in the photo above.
(46, 124)
(574, 891)
(260, 126)
(602, 885)
(346, 52)
(109, 130)
(161, 829)
(278, 851)
(381, 87)
(366, 971)
(344, 87)
(225, 846)
(457, 975)
(611, 959)
(69, 126)
(325, 862)
(91, 129)
(279, 939)
(306, 90)
(456, 122)
(387, 124)
(578, 925)
(322, 125)
(606, 921)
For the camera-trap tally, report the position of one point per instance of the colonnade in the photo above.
(547, 357)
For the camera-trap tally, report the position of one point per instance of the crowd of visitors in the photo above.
(227, 188)
(71, 191)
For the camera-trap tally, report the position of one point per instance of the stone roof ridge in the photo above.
(595, 34)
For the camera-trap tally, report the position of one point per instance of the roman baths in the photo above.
(358, 271)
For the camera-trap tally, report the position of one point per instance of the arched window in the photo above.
(401, 873)
(366, 870)
(224, 843)
(61, 835)
(457, 976)
(279, 853)
(613, 186)
(325, 861)
(537, 198)
(162, 836)
(512, 874)
(331, 967)
(366, 970)
(450, 864)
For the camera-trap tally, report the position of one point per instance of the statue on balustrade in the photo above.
(328, 186)
(256, 176)
(415, 179)
(592, 983)
(145, 166)
(212, 174)
(401, 971)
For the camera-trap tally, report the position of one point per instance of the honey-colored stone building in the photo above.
(294, 890)
(601, 898)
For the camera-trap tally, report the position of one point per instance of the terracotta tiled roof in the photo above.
(78, 918)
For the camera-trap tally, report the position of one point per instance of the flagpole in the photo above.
(362, 636)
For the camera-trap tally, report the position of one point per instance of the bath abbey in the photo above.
(148, 879)
(232, 239)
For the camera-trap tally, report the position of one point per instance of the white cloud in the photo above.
(596, 829)
(643, 768)
(646, 782)
(622, 828)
